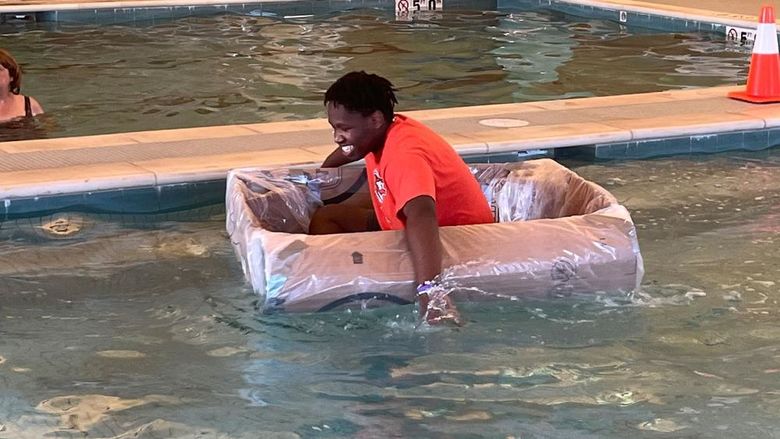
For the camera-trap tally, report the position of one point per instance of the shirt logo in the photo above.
(380, 190)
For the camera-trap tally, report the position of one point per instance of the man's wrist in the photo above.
(425, 287)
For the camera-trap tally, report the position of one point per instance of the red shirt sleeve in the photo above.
(409, 177)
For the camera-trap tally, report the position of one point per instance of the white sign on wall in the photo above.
(740, 35)
(409, 9)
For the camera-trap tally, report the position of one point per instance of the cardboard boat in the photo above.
(555, 234)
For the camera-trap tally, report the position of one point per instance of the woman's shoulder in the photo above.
(18, 108)
(36, 107)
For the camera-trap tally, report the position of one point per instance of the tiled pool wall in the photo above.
(623, 15)
(752, 140)
(160, 201)
(140, 204)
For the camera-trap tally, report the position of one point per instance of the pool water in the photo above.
(232, 69)
(144, 327)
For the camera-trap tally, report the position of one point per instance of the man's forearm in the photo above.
(422, 237)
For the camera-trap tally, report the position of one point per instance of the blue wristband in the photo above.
(424, 287)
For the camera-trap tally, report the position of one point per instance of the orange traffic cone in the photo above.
(763, 84)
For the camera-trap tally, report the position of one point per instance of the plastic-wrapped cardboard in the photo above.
(556, 234)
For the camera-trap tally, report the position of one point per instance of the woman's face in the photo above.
(5, 78)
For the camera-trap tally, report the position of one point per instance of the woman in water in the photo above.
(14, 105)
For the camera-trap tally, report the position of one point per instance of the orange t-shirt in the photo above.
(416, 161)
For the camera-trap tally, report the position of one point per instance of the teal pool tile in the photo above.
(535, 154)
(321, 7)
(39, 206)
(344, 5)
(267, 11)
(385, 4)
(240, 8)
(756, 140)
(668, 24)
(705, 143)
(117, 15)
(77, 16)
(521, 4)
(730, 141)
(164, 13)
(125, 16)
(477, 158)
(586, 11)
(282, 9)
(471, 5)
(613, 151)
(376, 4)
(491, 158)
(641, 20)
(46, 17)
(509, 157)
(257, 10)
(114, 16)
(773, 137)
(716, 28)
(135, 200)
(123, 201)
(661, 147)
(206, 11)
(585, 152)
(185, 196)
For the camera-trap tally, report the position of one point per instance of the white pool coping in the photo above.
(154, 158)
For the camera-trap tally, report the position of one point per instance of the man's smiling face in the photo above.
(356, 134)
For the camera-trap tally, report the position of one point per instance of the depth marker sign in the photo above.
(740, 35)
(409, 9)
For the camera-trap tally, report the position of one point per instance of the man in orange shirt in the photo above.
(416, 179)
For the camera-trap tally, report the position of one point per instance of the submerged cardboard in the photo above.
(556, 234)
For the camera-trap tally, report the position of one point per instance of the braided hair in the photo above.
(364, 93)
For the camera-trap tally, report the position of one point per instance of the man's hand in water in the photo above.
(422, 236)
(435, 304)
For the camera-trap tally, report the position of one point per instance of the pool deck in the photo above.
(35, 168)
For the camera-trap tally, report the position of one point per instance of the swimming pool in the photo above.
(241, 68)
(135, 326)
(138, 325)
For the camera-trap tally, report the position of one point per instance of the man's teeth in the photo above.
(347, 149)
